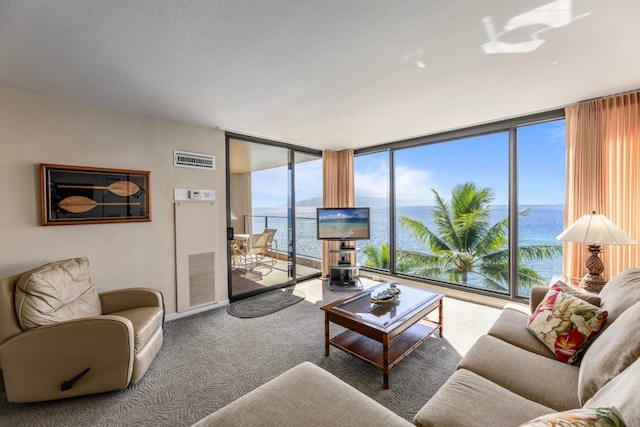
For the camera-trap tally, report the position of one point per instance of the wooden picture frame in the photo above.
(86, 195)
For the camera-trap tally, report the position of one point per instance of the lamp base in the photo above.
(592, 282)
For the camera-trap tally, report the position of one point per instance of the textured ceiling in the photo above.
(325, 74)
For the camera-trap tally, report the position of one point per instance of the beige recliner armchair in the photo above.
(59, 338)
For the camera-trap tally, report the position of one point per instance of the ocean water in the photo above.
(539, 226)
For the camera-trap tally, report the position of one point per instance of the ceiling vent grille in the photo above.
(185, 159)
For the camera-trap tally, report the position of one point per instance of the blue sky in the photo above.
(482, 159)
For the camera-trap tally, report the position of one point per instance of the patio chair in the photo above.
(255, 249)
(271, 243)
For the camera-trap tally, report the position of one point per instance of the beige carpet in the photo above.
(210, 359)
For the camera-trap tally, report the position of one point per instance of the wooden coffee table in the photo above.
(383, 334)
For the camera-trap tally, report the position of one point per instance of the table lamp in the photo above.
(595, 230)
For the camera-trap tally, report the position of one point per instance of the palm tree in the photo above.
(464, 242)
(380, 257)
(377, 257)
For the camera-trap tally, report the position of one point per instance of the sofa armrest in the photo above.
(126, 299)
(37, 362)
(537, 294)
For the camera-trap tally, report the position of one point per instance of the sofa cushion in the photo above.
(467, 396)
(56, 292)
(547, 381)
(510, 326)
(538, 292)
(620, 293)
(616, 348)
(305, 395)
(583, 417)
(565, 324)
(622, 393)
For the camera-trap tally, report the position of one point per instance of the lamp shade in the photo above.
(595, 229)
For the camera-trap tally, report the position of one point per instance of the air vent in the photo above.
(185, 159)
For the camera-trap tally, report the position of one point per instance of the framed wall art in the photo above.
(88, 195)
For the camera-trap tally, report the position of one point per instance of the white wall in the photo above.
(39, 129)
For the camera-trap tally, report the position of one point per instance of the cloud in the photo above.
(308, 180)
(558, 133)
(269, 187)
(372, 183)
(413, 186)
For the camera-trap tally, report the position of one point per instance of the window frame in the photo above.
(508, 125)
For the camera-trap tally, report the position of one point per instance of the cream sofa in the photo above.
(507, 378)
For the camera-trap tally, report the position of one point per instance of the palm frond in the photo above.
(444, 222)
(463, 242)
(424, 234)
(417, 228)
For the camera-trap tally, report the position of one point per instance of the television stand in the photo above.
(341, 276)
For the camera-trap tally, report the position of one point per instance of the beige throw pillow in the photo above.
(621, 292)
(610, 353)
(56, 292)
(621, 392)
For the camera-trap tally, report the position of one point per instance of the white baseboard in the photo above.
(174, 316)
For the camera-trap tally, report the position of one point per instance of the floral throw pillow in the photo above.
(587, 296)
(565, 324)
(585, 417)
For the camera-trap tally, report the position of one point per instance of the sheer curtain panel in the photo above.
(603, 160)
(337, 192)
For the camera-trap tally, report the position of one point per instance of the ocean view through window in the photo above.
(479, 211)
(542, 220)
(456, 199)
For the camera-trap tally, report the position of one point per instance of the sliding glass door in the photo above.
(262, 221)
(308, 197)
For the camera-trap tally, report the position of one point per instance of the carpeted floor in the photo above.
(212, 358)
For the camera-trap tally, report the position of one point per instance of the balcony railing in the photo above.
(307, 245)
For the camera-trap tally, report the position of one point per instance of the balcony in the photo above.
(251, 274)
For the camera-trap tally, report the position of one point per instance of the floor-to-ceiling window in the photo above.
(477, 209)
(541, 196)
(371, 181)
(308, 192)
(451, 211)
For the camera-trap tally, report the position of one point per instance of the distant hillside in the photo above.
(314, 202)
(360, 201)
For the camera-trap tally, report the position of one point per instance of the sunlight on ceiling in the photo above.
(552, 15)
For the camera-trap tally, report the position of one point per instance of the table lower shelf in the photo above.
(371, 351)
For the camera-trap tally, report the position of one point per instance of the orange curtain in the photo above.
(337, 192)
(603, 159)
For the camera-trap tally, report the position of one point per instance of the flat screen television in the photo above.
(343, 224)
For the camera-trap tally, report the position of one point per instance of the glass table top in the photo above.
(384, 315)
